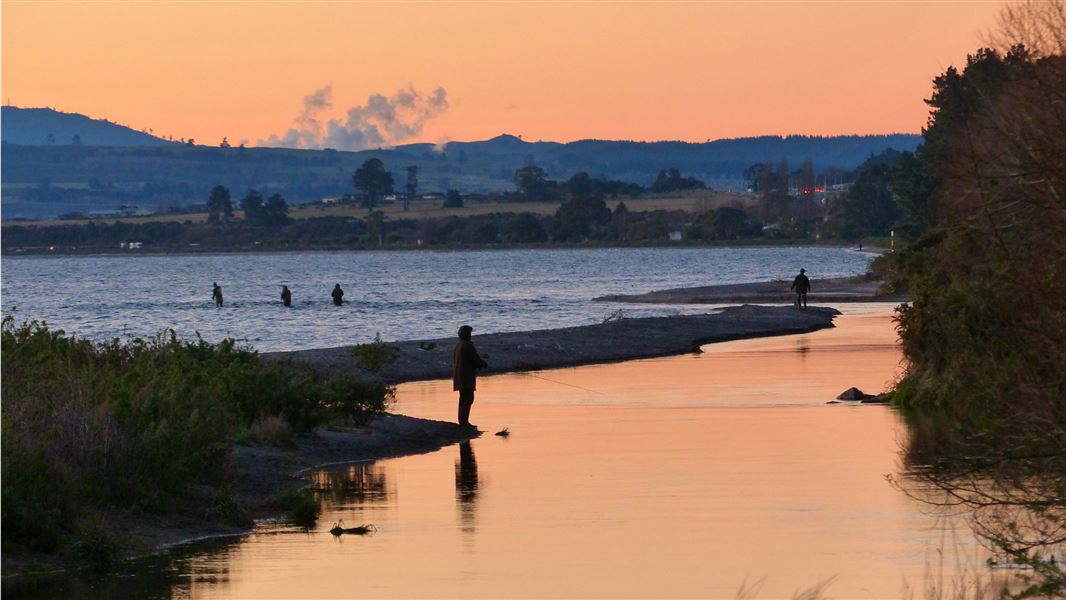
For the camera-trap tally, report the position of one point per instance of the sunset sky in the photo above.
(552, 71)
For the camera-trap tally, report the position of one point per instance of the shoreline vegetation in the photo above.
(114, 450)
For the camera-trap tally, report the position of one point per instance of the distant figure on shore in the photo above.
(338, 295)
(286, 296)
(465, 363)
(801, 285)
(860, 246)
(216, 295)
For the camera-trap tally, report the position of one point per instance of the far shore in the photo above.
(863, 288)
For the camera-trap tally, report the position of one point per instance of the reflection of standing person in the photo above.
(338, 295)
(466, 485)
(286, 296)
(801, 285)
(216, 295)
(465, 363)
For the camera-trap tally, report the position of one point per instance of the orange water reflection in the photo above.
(674, 477)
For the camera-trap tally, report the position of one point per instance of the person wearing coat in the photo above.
(286, 296)
(465, 363)
(801, 285)
(337, 295)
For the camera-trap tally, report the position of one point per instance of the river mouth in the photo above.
(686, 476)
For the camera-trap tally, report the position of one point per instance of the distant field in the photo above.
(694, 202)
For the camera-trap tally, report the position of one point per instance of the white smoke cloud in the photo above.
(382, 121)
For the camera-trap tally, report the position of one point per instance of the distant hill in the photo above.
(48, 127)
(115, 166)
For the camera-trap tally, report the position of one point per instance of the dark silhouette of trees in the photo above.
(670, 180)
(725, 223)
(453, 199)
(579, 217)
(524, 228)
(373, 181)
(219, 206)
(410, 188)
(533, 183)
(273, 212)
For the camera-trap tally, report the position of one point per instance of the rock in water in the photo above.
(853, 393)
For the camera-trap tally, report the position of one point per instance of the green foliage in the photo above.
(375, 355)
(133, 424)
(373, 181)
(300, 506)
(670, 180)
(524, 228)
(219, 206)
(983, 338)
(269, 213)
(580, 217)
(453, 200)
(533, 183)
(725, 223)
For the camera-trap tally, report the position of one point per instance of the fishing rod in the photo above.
(578, 387)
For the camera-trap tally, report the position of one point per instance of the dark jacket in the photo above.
(465, 363)
(801, 284)
(338, 295)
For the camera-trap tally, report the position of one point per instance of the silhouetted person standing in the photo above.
(286, 296)
(216, 295)
(801, 285)
(338, 295)
(465, 363)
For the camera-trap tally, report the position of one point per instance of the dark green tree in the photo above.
(410, 188)
(524, 228)
(373, 181)
(533, 183)
(579, 218)
(253, 206)
(219, 206)
(276, 211)
(453, 199)
(670, 180)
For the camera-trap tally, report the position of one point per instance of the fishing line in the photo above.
(578, 387)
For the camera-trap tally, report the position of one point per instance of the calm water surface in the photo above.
(402, 295)
(673, 477)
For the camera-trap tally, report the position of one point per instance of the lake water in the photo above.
(682, 477)
(402, 295)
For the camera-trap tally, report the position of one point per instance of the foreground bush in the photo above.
(91, 425)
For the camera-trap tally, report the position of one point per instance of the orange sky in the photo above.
(553, 71)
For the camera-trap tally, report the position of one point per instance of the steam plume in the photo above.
(381, 121)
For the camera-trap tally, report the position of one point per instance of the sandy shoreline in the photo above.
(841, 289)
(613, 341)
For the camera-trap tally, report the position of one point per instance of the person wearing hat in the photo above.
(801, 285)
(465, 363)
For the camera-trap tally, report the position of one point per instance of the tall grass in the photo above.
(89, 426)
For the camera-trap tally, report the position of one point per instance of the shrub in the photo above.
(133, 424)
(375, 355)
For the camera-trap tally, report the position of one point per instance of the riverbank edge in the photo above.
(616, 339)
(260, 475)
(263, 473)
(861, 288)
